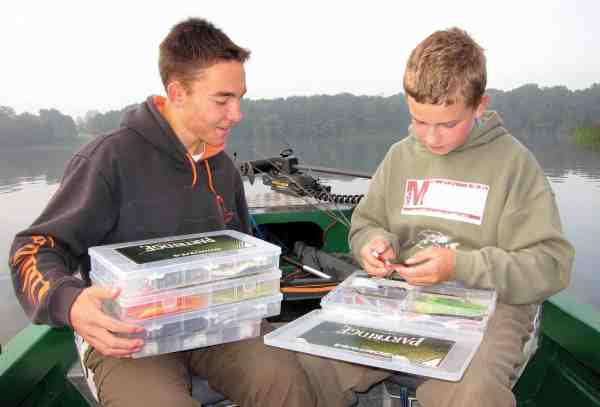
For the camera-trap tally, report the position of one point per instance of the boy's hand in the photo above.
(96, 327)
(429, 266)
(373, 257)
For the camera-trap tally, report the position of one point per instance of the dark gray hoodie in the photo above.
(136, 183)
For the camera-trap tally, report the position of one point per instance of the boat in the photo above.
(39, 366)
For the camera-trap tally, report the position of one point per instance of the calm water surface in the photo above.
(29, 178)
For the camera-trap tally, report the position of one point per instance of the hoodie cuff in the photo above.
(61, 302)
(463, 264)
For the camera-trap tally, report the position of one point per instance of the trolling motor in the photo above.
(283, 174)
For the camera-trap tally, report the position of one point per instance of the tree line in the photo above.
(320, 125)
(48, 127)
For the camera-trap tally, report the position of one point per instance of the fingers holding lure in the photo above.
(426, 267)
(429, 266)
(373, 257)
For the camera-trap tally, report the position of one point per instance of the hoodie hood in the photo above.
(148, 122)
(488, 128)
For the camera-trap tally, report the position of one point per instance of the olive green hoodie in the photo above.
(488, 199)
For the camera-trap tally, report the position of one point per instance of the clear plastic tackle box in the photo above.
(209, 319)
(230, 332)
(149, 266)
(446, 305)
(427, 331)
(193, 298)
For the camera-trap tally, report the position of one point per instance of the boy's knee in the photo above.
(155, 395)
(284, 386)
(483, 390)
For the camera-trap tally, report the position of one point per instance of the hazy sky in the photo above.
(77, 56)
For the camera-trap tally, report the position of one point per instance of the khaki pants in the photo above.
(489, 377)
(254, 374)
(487, 381)
(248, 372)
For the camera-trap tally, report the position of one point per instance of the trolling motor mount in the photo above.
(283, 174)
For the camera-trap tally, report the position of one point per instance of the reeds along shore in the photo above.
(588, 136)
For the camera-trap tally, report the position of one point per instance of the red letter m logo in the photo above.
(414, 195)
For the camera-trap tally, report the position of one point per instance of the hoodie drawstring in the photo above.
(226, 213)
(210, 180)
(194, 172)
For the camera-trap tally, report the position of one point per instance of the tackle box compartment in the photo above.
(234, 331)
(181, 301)
(446, 305)
(209, 319)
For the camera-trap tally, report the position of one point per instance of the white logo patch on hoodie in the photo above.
(446, 199)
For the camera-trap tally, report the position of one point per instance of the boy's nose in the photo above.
(235, 113)
(431, 137)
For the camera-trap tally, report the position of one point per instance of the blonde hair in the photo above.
(446, 68)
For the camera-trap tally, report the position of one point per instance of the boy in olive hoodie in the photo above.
(461, 199)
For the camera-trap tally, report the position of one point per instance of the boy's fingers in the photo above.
(379, 272)
(102, 293)
(422, 274)
(114, 325)
(422, 256)
(109, 344)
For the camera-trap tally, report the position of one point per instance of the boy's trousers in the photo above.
(488, 379)
(247, 372)
(254, 374)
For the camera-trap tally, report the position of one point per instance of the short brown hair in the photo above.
(446, 68)
(192, 45)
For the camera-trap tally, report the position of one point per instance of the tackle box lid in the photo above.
(155, 262)
(358, 337)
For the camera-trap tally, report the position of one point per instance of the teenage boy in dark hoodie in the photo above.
(163, 173)
(461, 199)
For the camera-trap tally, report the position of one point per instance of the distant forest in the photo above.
(318, 126)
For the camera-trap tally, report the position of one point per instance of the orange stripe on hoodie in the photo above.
(209, 151)
(33, 283)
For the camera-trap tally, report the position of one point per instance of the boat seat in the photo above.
(83, 380)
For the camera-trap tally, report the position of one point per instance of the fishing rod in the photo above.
(305, 267)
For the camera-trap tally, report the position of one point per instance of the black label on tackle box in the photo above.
(173, 249)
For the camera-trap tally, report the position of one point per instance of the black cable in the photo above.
(337, 198)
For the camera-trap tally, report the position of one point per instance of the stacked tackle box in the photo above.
(190, 291)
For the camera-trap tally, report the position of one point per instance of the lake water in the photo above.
(29, 178)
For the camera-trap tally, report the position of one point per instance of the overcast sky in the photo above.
(77, 56)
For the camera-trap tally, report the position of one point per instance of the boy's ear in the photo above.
(176, 92)
(482, 107)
